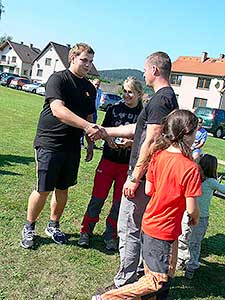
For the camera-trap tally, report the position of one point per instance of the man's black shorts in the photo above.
(56, 170)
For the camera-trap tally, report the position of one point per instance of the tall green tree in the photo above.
(4, 38)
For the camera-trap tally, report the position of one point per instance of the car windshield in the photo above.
(203, 111)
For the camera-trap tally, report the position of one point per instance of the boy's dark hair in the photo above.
(178, 126)
(162, 61)
(208, 164)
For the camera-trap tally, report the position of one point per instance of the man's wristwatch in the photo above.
(133, 179)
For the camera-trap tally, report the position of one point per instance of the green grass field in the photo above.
(69, 272)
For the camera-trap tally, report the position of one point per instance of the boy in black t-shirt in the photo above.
(67, 111)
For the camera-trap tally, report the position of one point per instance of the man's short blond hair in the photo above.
(77, 49)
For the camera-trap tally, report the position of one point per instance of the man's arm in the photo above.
(90, 143)
(152, 132)
(61, 112)
(126, 131)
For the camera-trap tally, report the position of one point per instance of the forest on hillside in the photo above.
(119, 75)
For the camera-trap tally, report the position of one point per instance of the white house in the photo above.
(17, 58)
(199, 81)
(53, 58)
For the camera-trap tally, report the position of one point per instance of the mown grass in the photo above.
(69, 272)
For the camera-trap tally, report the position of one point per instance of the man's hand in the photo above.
(111, 142)
(89, 154)
(95, 132)
(193, 222)
(130, 188)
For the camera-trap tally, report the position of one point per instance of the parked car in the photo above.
(108, 99)
(213, 120)
(32, 87)
(6, 80)
(41, 90)
(6, 74)
(17, 83)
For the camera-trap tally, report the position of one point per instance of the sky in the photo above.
(122, 32)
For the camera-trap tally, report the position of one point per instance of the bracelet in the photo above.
(133, 179)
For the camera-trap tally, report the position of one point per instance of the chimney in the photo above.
(68, 45)
(31, 46)
(204, 56)
(21, 43)
(221, 56)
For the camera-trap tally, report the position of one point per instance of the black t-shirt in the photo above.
(161, 104)
(78, 95)
(116, 115)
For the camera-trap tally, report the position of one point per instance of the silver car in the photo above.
(107, 100)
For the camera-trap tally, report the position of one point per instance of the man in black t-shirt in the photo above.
(67, 112)
(157, 71)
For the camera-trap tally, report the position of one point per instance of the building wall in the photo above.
(187, 91)
(40, 64)
(8, 65)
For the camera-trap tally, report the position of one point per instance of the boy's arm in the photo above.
(193, 210)
(148, 188)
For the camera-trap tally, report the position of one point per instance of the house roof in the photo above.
(26, 53)
(63, 52)
(194, 65)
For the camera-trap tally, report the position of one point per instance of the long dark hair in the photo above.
(208, 164)
(178, 126)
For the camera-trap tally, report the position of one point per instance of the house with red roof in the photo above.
(199, 81)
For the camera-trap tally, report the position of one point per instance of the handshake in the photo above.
(96, 132)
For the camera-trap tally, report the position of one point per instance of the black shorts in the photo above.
(56, 170)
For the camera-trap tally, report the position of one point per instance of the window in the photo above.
(48, 61)
(25, 72)
(3, 57)
(176, 79)
(39, 72)
(203, 83)
(199, 102)
(13, 59)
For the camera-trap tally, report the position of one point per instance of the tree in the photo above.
(4, 38)
(1, 8)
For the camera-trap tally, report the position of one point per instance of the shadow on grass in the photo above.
(96, 242)
(213, 245)
(2, 172)
(9, 160)
(207, 282)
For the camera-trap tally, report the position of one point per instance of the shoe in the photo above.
(110, 245)
(28, 237)
(56, 234)
(181, 266)
(189, 273)
(101, 291)
(84, 240)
